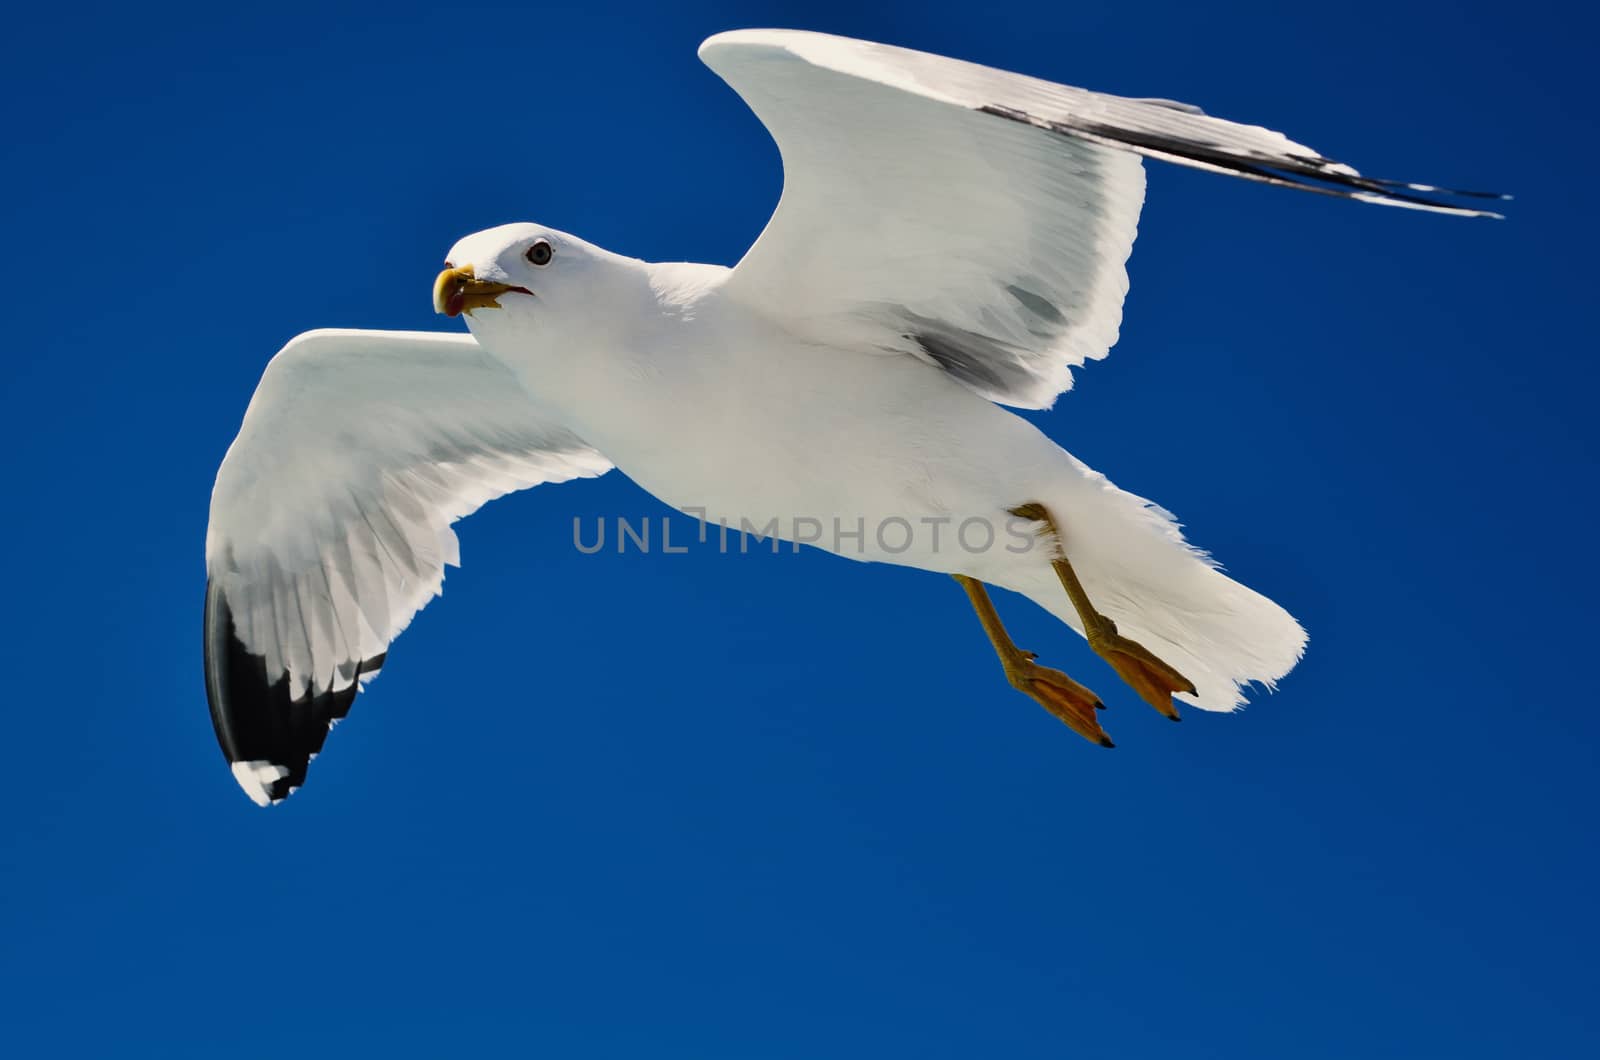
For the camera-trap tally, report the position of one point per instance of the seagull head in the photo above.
(516, 268)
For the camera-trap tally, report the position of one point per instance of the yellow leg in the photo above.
(1051, 689)
(1153, 679)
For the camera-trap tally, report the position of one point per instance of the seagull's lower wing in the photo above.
(973, 218)
(330, 524)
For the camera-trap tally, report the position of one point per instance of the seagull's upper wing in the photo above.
(330, 524)
(973, 218)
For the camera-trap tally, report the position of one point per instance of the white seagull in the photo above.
(950, 239)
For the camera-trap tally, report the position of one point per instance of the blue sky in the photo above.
(735, 807)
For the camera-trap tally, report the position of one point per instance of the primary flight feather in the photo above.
(951, 238)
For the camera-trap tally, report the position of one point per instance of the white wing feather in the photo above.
(971, 217)
(330, 519)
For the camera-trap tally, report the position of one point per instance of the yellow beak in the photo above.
(457, 291)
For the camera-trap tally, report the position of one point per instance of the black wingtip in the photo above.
(1300, 172)
(1431, 188)
(268, 736)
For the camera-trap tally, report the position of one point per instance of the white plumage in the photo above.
(330, 524)
(949, 237)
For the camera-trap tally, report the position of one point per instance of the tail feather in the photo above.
(1164, 593)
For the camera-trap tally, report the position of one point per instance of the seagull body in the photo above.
(716, 410)
(950, 239)
(719, 410)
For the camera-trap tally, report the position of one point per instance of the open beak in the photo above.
(457, 291)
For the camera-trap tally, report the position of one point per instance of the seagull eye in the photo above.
(539, 254)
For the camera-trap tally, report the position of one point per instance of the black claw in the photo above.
(1175, 717)
(1105, 741)
(1099, 705)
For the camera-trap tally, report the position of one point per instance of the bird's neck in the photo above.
(605, 368)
